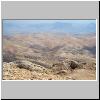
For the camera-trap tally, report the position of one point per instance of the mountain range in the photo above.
(57, 27)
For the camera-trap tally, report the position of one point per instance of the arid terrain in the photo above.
(47, 56)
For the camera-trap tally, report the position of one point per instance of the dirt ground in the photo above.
(12, 72)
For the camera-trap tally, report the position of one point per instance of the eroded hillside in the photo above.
(49, 57)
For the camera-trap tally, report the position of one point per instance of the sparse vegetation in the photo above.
(8, 56)
(48, 58)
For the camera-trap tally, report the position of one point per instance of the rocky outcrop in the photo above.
(24, 64)
(74, 64)
(59, 66)
(29, 65)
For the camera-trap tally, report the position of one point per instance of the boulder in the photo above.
(29, 65)
(59, 66)
(24, 64)
(74, 64)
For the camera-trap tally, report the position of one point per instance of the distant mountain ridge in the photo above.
(57, 27)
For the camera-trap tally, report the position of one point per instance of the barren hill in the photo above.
(57, 57)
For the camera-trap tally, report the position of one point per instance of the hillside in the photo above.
(47, 56)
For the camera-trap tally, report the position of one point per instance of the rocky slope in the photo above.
(49, 57)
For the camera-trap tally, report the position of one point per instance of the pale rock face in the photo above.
(63, 54)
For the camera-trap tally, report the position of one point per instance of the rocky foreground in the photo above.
(66, 70)
(49, 57)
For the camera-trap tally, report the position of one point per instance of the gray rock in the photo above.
(24, 64)
(59, 66)
(74, 64)
(29, 65)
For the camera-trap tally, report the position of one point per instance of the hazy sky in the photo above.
(11, 26)
(48, 21)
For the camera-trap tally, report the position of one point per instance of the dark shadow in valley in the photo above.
(92, 50)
